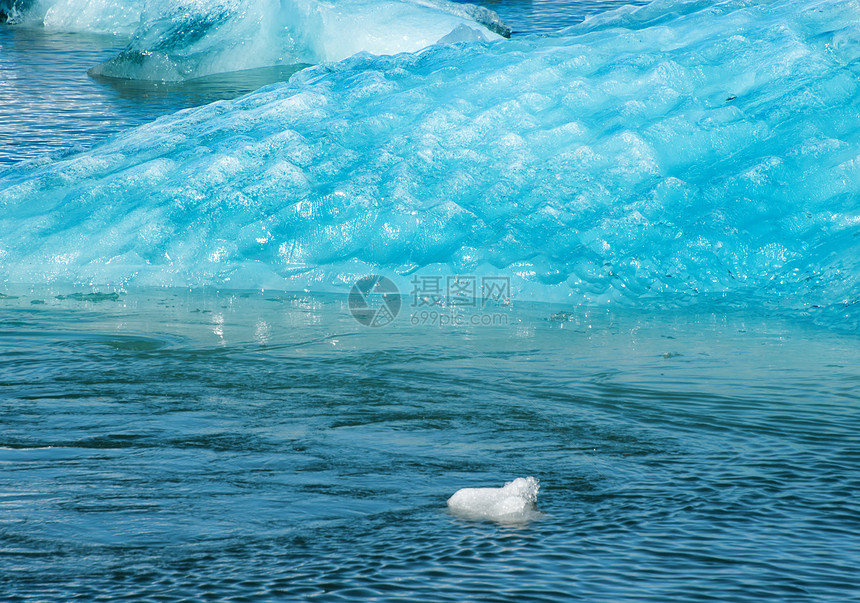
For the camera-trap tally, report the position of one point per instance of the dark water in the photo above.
(547, 16)
(177, 446)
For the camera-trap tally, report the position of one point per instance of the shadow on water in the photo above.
(203, 90)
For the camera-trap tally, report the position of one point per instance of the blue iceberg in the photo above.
(679, 151)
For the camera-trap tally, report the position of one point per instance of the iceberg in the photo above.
(177, 41)
(667, 154)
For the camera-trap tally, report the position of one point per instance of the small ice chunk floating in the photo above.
(515, 502)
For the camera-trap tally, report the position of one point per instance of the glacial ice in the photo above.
(115, 17)
(175, 41)
(664, 154)
(513, 502)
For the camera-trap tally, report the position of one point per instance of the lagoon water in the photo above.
(176, 446)
(190, 411)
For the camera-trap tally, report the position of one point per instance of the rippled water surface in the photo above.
(546, 16)
(169, 446)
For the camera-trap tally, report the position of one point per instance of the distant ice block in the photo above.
(516, 501)
(174, 41)
(119, 17)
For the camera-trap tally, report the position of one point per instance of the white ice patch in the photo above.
(462, 33)
(514, 502)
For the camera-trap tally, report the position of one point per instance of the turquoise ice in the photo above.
(680, 151)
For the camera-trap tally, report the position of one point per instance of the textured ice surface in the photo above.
(656, 154)
(93, 16)
(173, 41)
(514, 502)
